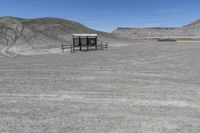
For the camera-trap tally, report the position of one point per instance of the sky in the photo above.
(107, 15)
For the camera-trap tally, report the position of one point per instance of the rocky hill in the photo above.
(43, 32)
(195, 24)
(188, 31)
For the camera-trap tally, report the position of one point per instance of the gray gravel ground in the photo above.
(148, 87)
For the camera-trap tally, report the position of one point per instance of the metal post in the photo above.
(80, 45)
(87, 44)
(106, 45)
(96, 43)
(62, 48)
(73, 45)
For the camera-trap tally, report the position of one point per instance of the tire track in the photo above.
(6, 53)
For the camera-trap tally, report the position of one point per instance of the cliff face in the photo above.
(191, 30)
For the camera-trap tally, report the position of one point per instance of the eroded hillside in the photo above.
(42, 32)
(21, 35)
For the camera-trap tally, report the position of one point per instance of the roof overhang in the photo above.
(85, 35)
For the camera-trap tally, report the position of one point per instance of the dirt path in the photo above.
(1, 55)
(6, 53)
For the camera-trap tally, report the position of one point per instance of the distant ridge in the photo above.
(191, 30)
(147, 28)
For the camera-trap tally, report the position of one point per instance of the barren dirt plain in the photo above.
(146, 87)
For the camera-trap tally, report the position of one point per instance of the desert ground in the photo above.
(145, 87)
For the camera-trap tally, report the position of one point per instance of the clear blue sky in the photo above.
(106, 15)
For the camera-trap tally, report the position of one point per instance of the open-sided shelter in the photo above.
(87, 41)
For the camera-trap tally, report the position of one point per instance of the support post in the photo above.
(95, 43)
(62, 48)
(106, 45)
(87, 41)
(80, 45)
(73, 45)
